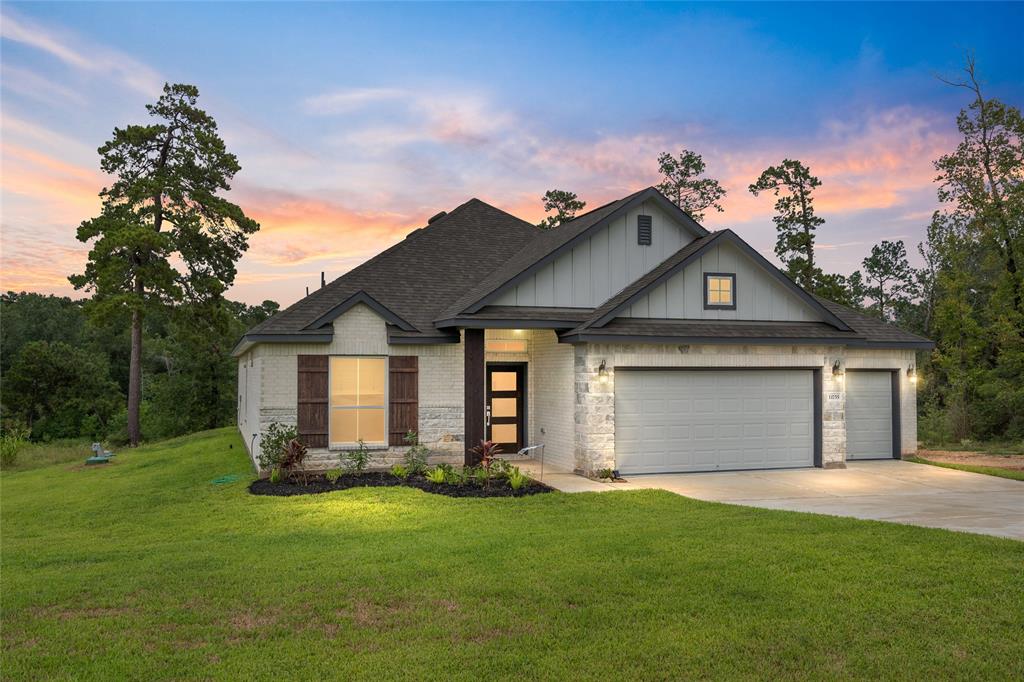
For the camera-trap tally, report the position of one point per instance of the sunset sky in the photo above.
(355, 123)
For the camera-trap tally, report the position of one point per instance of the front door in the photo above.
(506, 406)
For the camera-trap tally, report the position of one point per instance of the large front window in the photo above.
(358, 401)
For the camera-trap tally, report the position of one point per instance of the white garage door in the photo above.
(868, 415)
(685, 420)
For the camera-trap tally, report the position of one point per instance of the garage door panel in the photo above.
(869, 415)
(715, 419)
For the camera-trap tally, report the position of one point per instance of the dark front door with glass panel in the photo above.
(506, 406)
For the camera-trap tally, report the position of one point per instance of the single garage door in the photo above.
(712, 420)
(868, 415)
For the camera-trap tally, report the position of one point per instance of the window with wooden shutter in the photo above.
(403, 393)
(312, 407)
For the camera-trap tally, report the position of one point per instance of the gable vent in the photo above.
(643, 230)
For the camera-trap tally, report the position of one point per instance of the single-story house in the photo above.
(628, 338)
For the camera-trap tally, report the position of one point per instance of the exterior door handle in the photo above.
(487, 416)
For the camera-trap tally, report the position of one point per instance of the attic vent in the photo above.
(643, 230)
(437, 217)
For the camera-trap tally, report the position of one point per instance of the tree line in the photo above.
(968, 296)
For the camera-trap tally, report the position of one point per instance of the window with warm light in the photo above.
(358, 401)
(719, 291)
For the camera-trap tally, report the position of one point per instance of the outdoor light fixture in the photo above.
(837, 368)
(602, 373)
(912, 374)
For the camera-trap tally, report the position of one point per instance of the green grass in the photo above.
(1015, 474)
(37, 455)
(146, 570)
(993, 447)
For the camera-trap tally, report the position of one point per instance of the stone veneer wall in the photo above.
(595, 401)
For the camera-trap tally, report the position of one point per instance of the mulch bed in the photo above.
(379, 479)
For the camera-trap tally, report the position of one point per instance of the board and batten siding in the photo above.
(759, 296)
(602, 264)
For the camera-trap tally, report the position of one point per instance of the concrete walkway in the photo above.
(889, 490)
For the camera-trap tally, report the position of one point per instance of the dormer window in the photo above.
(719, 291)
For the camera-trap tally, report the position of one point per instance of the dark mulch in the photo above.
(379, 479)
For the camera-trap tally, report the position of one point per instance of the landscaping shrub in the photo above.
(400, 471)
(416, 455)
(292, 459)
(517, 479)
(436, 475)
(487, 450)
(274, 442)
(333, 475)
(357, 460)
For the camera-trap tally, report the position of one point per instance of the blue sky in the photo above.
(355, 122)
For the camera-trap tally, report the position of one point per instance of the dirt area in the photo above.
(981, 459)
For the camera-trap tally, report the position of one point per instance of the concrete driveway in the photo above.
(890, 490)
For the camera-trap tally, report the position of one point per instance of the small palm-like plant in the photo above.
(517, 479)
(488, 451)
(436, 475)
(292, 459)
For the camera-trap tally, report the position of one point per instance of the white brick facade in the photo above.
(568, 408)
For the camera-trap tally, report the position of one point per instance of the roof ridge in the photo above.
(606, 205)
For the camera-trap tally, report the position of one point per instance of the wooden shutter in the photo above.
(312, 408)
(403, 397)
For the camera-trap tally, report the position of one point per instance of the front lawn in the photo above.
(145, 569)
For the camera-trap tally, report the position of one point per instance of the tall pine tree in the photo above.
(165, 233)
(795, 220)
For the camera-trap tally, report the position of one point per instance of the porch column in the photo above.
(473, 354)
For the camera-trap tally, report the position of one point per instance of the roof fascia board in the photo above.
(364, 298)
(585, 337)
(505, 323)
(646, 195)
(250, 340)
(422, 340)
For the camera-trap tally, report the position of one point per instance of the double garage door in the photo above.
(711, 420)
(720, 420)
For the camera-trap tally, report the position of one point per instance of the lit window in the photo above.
(719, 290)
(358, 401)
(506, 346)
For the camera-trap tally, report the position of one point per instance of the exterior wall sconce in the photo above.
(602, 373)
(912, 374)
(837, 369)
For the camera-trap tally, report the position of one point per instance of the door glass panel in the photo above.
(503, 381)
(504, 433)
(503, 407)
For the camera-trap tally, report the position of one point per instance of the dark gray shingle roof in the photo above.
(422, 274)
